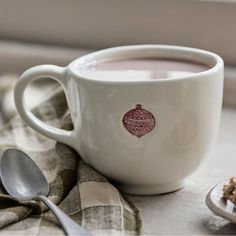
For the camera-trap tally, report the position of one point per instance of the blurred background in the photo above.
(58, 31)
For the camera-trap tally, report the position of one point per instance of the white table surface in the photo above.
(184, 212)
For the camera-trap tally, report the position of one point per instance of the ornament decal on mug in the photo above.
(139, 121)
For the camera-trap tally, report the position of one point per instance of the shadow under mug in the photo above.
(147, 136)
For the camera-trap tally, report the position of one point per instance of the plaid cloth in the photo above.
(80, 191)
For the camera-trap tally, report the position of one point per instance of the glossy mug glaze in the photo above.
(146, 135)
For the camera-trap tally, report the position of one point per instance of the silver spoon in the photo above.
(23, 180)
(220, 206)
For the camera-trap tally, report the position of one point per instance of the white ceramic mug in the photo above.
(183, 116)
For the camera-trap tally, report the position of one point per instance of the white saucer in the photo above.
(220, 206)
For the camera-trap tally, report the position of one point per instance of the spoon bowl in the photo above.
(21, 177)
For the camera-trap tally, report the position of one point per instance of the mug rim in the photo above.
(171, 51)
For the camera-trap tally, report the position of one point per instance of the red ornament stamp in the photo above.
(139, 121)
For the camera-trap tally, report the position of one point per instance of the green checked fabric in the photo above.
(79, 190)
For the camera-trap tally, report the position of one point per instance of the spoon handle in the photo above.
(70, 227)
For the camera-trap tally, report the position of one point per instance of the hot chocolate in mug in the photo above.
(144, 116)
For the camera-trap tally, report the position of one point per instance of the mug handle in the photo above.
(56, 73)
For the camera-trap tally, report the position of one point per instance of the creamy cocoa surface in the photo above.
(142, 69)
